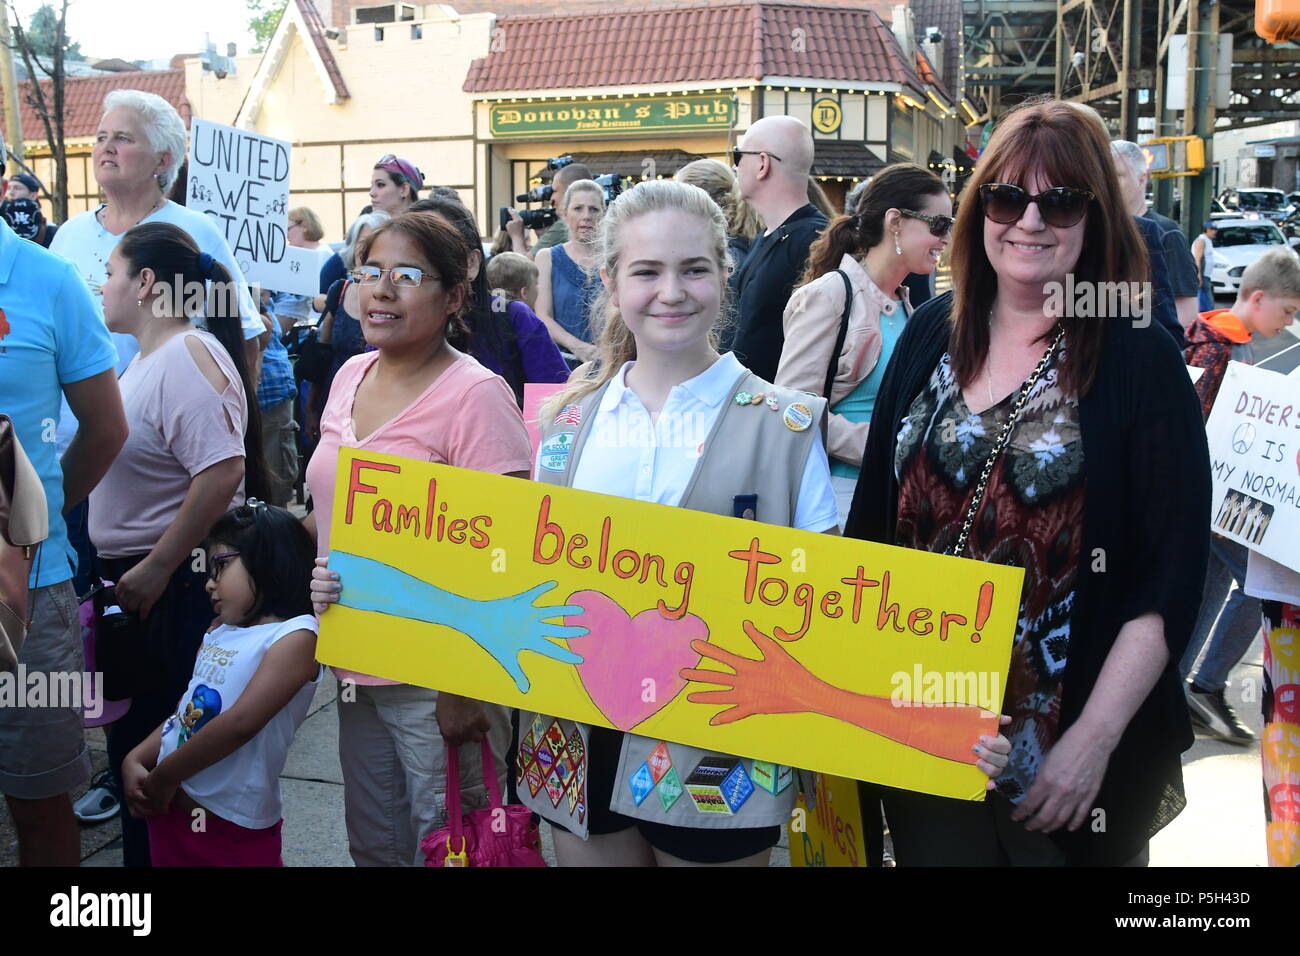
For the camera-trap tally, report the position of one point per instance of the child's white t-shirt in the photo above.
(244, 787)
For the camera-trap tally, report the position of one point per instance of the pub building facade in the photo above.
(641, 93)
(629, 89)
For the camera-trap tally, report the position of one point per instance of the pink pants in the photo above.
(174, 842)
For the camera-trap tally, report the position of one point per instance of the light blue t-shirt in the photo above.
(51, 334)
(860, 404)
(87, 245)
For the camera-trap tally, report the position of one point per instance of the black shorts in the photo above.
(695, 845)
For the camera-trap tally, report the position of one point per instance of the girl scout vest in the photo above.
(750, 450)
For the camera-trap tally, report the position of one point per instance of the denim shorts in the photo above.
(43, 746)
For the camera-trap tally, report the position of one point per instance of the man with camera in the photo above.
(557, 232)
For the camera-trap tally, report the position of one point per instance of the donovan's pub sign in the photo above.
(670, 113)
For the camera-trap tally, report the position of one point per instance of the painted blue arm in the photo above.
(505, 627)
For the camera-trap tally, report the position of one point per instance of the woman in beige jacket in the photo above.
(901, 226)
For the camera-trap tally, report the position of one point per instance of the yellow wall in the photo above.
(406, 99)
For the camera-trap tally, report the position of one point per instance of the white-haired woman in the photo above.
(139, 147)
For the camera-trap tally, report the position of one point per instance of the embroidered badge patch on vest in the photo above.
(569, 415)
(719, 785)
(555, 451)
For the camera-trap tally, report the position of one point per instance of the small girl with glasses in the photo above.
(207, 779)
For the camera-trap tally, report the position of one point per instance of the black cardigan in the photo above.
(1145, 546)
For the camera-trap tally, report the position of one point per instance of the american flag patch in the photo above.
(569, 415)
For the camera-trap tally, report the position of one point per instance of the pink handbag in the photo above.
(498, 836)
(93, 701)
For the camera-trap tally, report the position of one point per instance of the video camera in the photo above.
(539, 219)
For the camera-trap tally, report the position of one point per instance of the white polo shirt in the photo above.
(629, 455)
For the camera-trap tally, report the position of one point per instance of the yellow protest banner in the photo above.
(830, 832)
(802, 649)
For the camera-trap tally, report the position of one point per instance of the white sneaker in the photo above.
(99, 803)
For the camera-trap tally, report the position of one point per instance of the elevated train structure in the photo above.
(1125, 58)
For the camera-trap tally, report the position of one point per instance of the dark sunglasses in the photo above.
(1061, 206)
(737, 153)
(940, 226)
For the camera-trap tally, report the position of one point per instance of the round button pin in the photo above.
(797, 416)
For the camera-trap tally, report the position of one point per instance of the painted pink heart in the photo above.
(620, 653)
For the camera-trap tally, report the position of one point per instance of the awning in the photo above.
(851, 160)
(634, 162)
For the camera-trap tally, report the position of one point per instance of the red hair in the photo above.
(1067, 145)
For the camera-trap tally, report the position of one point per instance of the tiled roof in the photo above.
(341, 10)
(311, 18)
(83, 99)
(702, 42)
(928, 75)
(839, 44)
(947, 16)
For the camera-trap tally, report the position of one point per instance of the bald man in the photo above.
(772, 166)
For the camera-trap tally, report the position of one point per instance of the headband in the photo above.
(205, 265)
(395, 164)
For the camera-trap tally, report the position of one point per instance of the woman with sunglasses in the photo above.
(842, 323)
(1017, 428)
(415, 396)
(394, 184)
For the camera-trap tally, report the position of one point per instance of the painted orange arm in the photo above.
(776, 683)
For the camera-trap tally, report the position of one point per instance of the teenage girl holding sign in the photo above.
(707, 435)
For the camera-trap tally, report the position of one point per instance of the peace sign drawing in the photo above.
(1243, 438)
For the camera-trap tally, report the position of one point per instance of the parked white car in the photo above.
(1239, 243)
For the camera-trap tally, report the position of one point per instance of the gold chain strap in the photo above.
(1004, 439)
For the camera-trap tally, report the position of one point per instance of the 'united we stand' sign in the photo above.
(241, 180)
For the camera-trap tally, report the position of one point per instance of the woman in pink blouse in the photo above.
(418, 397)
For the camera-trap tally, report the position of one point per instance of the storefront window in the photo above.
(902, 130)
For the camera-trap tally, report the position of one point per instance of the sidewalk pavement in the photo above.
(1223, 824)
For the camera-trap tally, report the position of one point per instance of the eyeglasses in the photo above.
(1061, 206)
(217, 563)
(940, 226)
(737, 152)
(403, 277)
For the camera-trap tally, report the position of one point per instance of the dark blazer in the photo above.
(1178, 256)
(1145, 545)
(763, 286)
(1163, 309)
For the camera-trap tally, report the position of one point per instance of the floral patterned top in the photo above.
(1032, 517)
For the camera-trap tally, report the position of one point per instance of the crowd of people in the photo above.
(984, 423)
